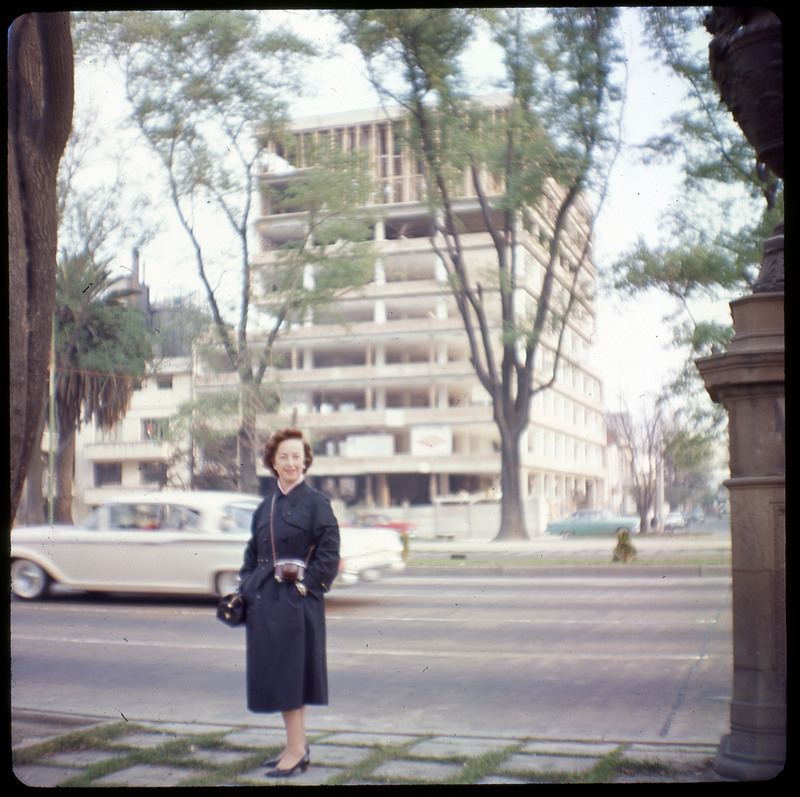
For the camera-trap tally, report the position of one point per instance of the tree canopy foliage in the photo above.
(550, 143)
(207, 91)
(730, 203)
(102, 349)
(714, 235)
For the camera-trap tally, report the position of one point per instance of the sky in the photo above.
(633, 354)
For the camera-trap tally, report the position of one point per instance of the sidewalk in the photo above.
(71, 750)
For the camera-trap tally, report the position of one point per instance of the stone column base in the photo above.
(747, 758)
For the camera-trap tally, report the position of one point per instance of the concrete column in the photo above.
(749, 381)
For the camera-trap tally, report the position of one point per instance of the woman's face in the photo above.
(289, 459)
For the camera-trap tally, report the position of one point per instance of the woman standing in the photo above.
(286, 653)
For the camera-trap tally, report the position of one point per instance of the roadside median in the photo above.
(689, 554)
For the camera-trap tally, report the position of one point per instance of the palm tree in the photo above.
(103, 345)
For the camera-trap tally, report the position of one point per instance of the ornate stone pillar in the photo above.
(749, 381)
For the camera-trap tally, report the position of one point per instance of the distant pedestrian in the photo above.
(290, 562)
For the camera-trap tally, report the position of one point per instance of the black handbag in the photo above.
(231, 609)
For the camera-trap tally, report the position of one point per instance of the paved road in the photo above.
(645, 657)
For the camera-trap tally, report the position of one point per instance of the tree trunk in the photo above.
(512, 512)
(65, 471)
(40, 100)
(245, 451)
(33, 512)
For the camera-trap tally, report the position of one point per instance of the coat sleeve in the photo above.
(323, 566)
(251, 549)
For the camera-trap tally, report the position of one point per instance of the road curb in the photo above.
(569, 571)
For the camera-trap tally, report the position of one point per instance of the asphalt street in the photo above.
(578, 653)
(570, 655)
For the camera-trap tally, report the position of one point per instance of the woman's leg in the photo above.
(295, 722)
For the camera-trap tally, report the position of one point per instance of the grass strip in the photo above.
(381, 753)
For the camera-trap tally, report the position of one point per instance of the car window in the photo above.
(147, 517)
(181, 517)
(121, 516)
(92, 523)
(239, 518)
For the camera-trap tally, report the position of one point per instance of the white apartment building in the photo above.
(389, 397)
(136, 453)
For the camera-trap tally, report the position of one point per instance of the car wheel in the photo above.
(28, 580)
(565, 535)
(227, 582)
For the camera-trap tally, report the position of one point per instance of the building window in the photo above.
(107, 473)
(155, 429)
(153, 473)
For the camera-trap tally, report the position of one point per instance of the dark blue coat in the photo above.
(286, 652)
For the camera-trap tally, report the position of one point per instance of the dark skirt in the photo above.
(286, 651)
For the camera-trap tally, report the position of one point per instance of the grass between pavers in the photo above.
(110, 738)
(199, 773)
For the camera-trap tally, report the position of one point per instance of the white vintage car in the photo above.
(189, 543)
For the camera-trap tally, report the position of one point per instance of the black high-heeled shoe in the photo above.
(302, 765)
(276, 761)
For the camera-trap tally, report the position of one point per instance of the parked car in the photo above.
(697, 516)
(674, 521)
(367, 552)
(405, 527)
(189, 543)
(594, 521)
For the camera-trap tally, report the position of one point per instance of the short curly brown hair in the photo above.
(271, 448)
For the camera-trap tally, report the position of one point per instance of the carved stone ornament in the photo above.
(746, 58)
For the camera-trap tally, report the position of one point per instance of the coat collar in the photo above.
(295, 494)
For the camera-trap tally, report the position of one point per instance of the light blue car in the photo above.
(595, 522)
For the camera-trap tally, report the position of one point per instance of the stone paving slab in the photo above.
(505, 780)
(147, 775)
(338, 755)
(255, 738)
(184, 728)
(36, 728)
(576, 748)
(81, 758)
(38, 775)
(670, 757)
(532, 762)
(368, 739)
(217, 757)
(447, 746)
(313, 776)
(143, 740)
(406, 769)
